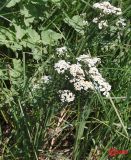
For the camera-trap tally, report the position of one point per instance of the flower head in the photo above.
(87, 59)
(102, 24)
(60, 51)
(76, 70)
(121, 22)
(107, 8)
(61, 66)
(66, 96)
(46, 79)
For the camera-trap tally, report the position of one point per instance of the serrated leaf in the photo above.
(50, 37)
(12, 3)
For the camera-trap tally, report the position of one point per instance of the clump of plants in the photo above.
(64, 79)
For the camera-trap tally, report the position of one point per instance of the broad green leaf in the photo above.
(19, 32)
(37, 54)
(77, 23)
(28, 21)
(24, 11)
(17, 65)
(12, 3)
(15, 46)
(50, 37)
(2, 37)
(33, 36)
(1, 73)
(7, 34)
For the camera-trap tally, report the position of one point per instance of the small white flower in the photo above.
(83, 85)
(61, 66)
(35, 87)
(85, 22)
(46, 79)
(102, 24)
(94, 71)
(95, 20)
(96, 5)
(76, 70)
(118, 11)
(66, 96)
(121, 22)
(61, 50)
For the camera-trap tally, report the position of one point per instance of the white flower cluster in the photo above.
(61, 51)
(87, 59)
(95, 20)
(81, 84)
(85, 22)
(35, 87)
(107, 8)
(121, 22)
(77, 73)
(76, 70)
(78, 78)
(101, 23)
(66, 96)
(99, 82)
(44, 80)
(83, 16)
(61, 66)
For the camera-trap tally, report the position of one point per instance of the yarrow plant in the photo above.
(106, 9)
(78, 74)
(98, 81)
(55, 100)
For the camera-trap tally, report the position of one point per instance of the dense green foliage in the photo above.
(34, 124)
